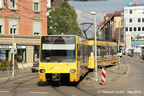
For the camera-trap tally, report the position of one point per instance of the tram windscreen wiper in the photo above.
(49, 60)
(60, 60)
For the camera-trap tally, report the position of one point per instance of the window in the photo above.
(139, 20)
(139, 11)
(36, 5)
(1, 4)
(135, 29)
(130, 12)
(130, 20)
(21, 55)
(139, 28)
(142, 28)
(12, 4)
(114, 49)
(1, 26)
(13, 29)
(126, 11)
(130, 29)
(134, 20)
(36, 53)
(142, 11)
(126, 29)
(134, 11)
(36, 28)
(142, 19)
(126, 20)
(99, 51)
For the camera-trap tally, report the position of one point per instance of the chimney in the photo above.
(134, 4)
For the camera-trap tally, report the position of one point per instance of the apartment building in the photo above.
(27, 20)
(109, 29)
(132, 23)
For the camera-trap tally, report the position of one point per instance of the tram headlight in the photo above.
(72, 70)
(42, 70)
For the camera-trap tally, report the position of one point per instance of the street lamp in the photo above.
(95, 69)
(13, 48)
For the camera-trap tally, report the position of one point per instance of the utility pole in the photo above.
(95, 69)
(125, 36)
(119, 37)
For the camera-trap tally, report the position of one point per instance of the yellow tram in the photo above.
(68, 57)
(106, 53)
(63, 57)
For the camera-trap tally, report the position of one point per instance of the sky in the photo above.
(83, 9)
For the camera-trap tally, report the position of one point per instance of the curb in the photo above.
(119, 81)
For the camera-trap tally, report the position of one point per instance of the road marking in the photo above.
(4, 91)
(39, 92)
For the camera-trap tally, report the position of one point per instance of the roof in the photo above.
(100, 24)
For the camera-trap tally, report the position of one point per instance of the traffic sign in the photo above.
(14, 51)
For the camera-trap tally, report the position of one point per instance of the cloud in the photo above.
(87, 17)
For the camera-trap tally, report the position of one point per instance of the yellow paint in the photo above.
(42, 76)
(73, 76)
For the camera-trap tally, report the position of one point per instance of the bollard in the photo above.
(22, 66)
(103, 75)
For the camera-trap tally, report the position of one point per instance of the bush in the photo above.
(3, 65)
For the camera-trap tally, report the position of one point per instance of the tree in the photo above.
(63, 20)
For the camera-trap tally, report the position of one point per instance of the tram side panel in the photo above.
(106, 54)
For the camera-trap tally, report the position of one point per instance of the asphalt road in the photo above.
(27, 85)
(133, 85)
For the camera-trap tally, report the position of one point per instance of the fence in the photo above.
(120, 70)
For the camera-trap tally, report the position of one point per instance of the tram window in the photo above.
(114, 49)
(109, 49)
(104, 50)
(85, 53)
(99, 51)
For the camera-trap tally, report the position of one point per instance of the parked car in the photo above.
(131, 52)
(35, 66)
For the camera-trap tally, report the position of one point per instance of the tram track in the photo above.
(91, 94)
(8, 80)
(77, 88)
(15, 88)
(58, 91)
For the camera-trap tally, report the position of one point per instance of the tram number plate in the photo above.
(57, 67)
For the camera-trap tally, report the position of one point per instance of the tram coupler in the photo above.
(56, 77)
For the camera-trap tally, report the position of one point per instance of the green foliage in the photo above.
(63, 20)
(3, 65)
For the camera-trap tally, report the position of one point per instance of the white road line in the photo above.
(4, 91)
(39, 92)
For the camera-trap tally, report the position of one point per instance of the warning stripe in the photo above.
(103, 74)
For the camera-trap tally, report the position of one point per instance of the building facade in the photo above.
(132, 26)
(27, 20)
(109, 29)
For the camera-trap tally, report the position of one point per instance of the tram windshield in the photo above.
(58, 49)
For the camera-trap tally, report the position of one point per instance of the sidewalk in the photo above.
(112, 78)
(8, 75)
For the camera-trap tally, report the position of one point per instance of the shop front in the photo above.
(27, 50)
